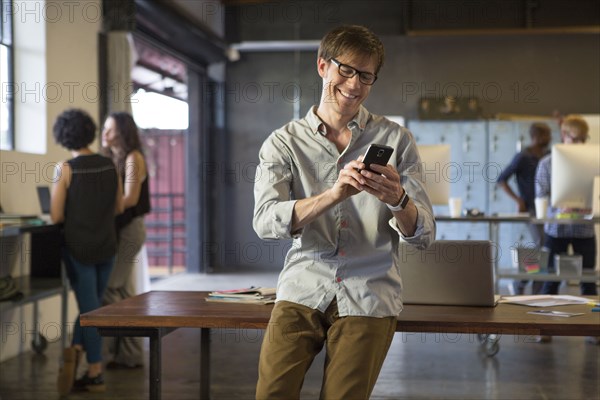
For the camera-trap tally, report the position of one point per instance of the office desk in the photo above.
(566, 221)
(27, 225)
(496, 219)
(156, 314)
(586, 276)
(493, 225)
(492, 221)
(44, 278)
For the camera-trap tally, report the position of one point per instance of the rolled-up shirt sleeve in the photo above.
(273, 205)
(425, 233)
(411, 177)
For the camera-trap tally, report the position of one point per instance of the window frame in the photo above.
(7, 41)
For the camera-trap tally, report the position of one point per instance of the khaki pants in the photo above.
(126, 350)
(356, 348)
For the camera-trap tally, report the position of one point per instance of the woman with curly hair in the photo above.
(86, 196)
(121, 142)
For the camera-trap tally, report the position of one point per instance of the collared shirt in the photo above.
(348, 252)
(543, 178)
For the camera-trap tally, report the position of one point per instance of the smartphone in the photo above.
(377, 154)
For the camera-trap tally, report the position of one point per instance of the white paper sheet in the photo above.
(545, 300)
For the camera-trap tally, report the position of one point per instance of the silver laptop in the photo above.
(449, 272)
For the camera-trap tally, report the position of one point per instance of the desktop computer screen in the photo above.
(574, 168)
(436, 171)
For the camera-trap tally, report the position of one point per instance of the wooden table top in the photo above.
(518, 218)
(188, 309)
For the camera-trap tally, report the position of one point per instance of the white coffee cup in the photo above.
(541, 207)
(455, 206)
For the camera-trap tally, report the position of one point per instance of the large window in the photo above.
(6, 77)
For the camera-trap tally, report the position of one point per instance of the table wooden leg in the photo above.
(204, 363)
(155, 365)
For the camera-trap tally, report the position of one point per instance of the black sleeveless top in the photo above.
(89, 225)
(142, 207)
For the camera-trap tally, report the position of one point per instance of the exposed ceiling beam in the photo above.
(276, 45)
(508, 31)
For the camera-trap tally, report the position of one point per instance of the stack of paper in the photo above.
(544, 300)
(554, 313)
(251, 295)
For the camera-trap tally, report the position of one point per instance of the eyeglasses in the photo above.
(347, 71)
(574, 138)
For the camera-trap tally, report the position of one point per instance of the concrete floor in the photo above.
(418, 366)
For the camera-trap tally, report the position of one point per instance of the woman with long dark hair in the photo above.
(121, 142)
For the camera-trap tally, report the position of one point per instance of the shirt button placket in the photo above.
(342, 234)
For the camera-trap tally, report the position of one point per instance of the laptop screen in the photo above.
(44, 198)
(449, 272)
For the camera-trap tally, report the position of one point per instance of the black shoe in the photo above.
(118, 365)
(85, 383)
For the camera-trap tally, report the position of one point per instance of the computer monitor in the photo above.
(574, 167)
(44, 198)
(437, 171)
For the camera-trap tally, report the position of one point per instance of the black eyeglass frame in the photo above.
(361, 74)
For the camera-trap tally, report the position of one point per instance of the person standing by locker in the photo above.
(523, 166)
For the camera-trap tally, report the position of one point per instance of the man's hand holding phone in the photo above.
(371, 173)
(383, 182)
(349, 181)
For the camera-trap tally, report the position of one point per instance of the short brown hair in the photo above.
(576, 122)
(539, 128)
(353, 39)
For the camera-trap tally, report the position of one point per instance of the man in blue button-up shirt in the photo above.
(340, 285)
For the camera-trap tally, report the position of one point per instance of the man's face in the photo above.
(340, 94)
(572, 135)
(542, 139)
